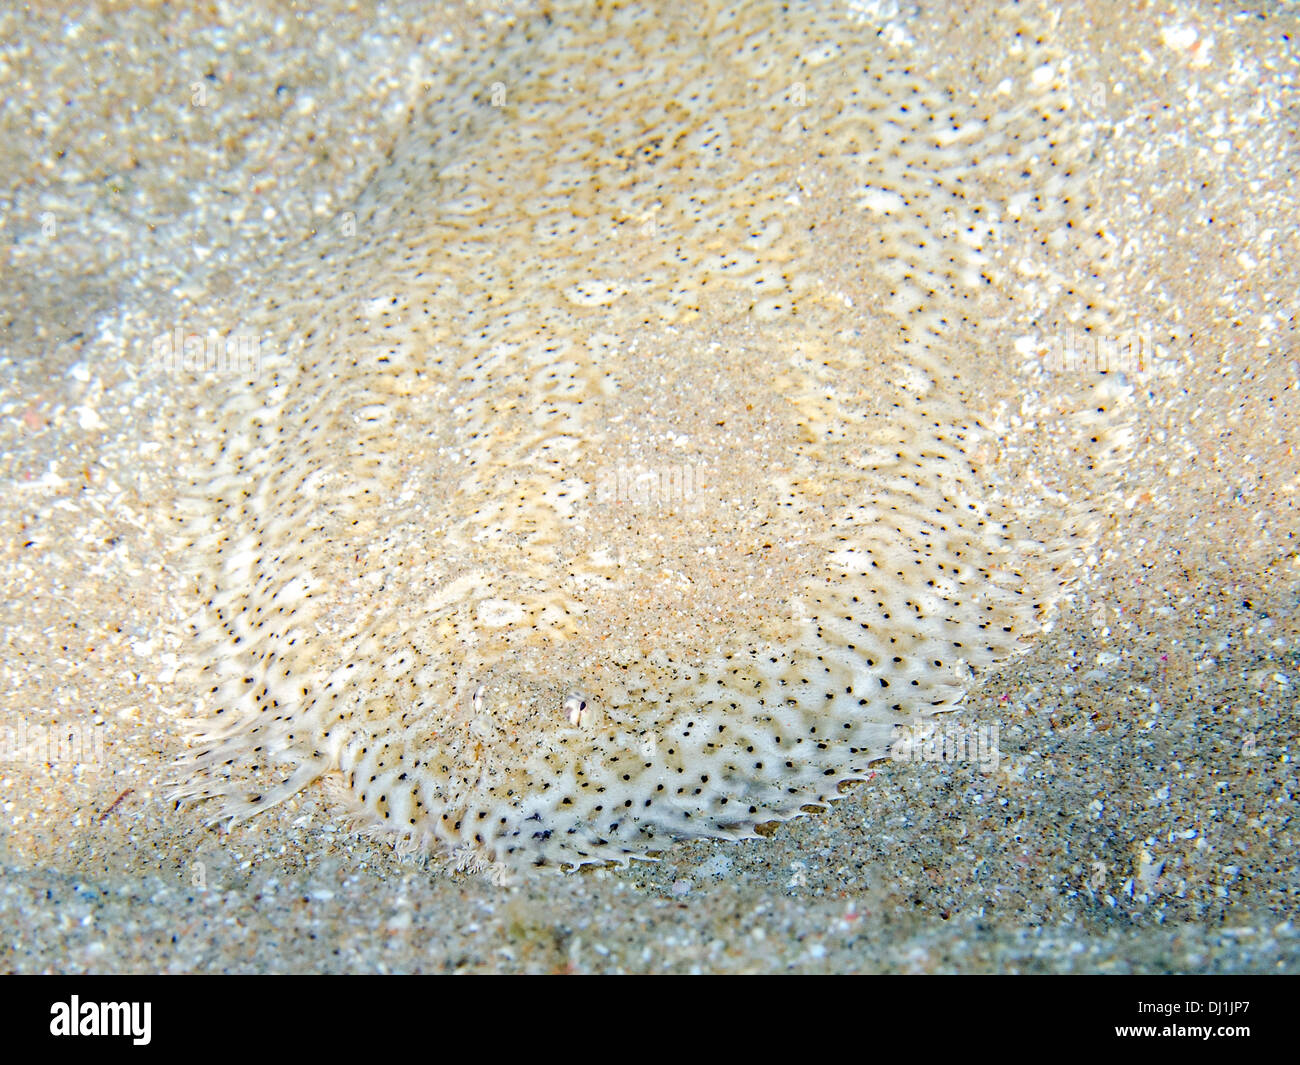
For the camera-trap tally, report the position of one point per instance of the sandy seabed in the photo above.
(1140, 816)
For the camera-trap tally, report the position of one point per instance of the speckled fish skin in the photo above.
(406, 563)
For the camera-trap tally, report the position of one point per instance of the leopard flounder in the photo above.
(610, 478)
